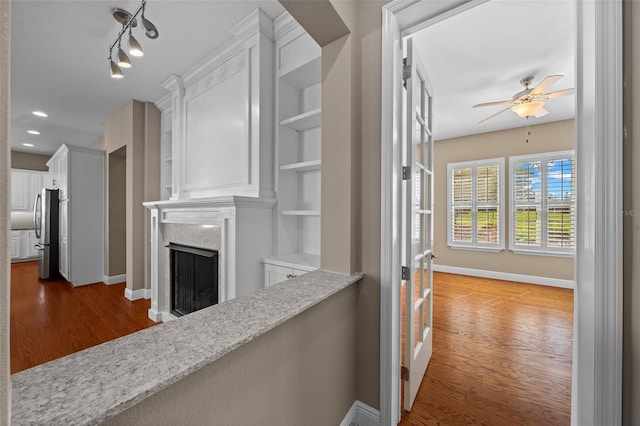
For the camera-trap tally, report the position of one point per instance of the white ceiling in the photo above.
(59, 60)
(480, 56)
(60, 48)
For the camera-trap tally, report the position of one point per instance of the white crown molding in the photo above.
(256, 22)
(164, 103)
(283, 24)
(172, 82)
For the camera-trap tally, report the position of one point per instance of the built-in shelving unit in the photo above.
(304, 121)
(166, 148)
(298, 164)
(305, 166)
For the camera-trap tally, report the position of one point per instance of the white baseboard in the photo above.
(160, 316)
(116, 279)
(529, 279)
(360, 414)
(142, 293)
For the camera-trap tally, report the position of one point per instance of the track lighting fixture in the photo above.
(128, 22)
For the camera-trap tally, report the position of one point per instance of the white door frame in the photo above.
(597, 345)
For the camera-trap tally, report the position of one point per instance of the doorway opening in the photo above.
(597, 363)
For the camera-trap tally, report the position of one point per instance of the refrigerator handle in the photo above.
(37, 213)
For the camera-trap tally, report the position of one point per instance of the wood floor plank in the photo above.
(501, 355)
(52, 319)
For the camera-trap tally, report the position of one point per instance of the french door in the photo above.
(417, 275)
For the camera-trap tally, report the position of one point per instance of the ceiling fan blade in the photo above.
(548, 81)
(559, 93)
(493, 103)
(492, 116)
(541, 112)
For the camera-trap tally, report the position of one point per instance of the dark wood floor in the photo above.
(501, 355)
(52, 319)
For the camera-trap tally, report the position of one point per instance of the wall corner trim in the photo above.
(360, 414)
(528, 279)
(143, 293)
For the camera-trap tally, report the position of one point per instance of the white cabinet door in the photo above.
(274, 274)
(35, 187)
(19, 190)
(16, 245)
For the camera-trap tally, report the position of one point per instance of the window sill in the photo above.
(487, 249)
(544, 253)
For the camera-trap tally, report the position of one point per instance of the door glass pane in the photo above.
(417, 332)
(418, 234)
(426, 314)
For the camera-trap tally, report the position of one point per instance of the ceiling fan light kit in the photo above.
(529, 102)
(128, 22)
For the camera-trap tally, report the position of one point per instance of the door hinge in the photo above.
(406, 273)
(406, 72)
(406, 172)
(404, 373)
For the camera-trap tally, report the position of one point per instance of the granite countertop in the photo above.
(93, 385)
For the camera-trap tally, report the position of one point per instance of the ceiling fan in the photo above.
(529, 102)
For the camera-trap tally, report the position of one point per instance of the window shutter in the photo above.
(462, 214)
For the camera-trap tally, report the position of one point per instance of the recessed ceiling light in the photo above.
(33, 132)
(30, 145)
(40, 114)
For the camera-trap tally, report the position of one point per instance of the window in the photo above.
(475, 207)
(543, 203)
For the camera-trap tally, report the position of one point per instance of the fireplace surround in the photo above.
(240, 229)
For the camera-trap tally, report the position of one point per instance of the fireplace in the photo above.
(193, 278)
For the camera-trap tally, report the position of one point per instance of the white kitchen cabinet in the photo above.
(281, 268)
(79, 175)
(23, 245)
(298, 144)
(25, 184)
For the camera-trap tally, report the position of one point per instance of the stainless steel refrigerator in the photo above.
(47, 221)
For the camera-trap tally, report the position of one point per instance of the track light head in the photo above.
(150, 30)
(123, 59)
(116, 72)
(134, 47)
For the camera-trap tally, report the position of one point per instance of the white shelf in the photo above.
(300, 212)
(302, 122)
(304, 261)
(305, 75)
(305, 166)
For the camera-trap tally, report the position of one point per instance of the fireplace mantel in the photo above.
(245, 224)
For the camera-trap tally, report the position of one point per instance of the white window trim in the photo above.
(474, 245)
(543, 250)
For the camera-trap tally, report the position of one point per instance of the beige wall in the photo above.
(116, 219)
(296, 374)
(5, 190)
(557, 136)
(135, 126)
(631, 224)
(29, 161)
